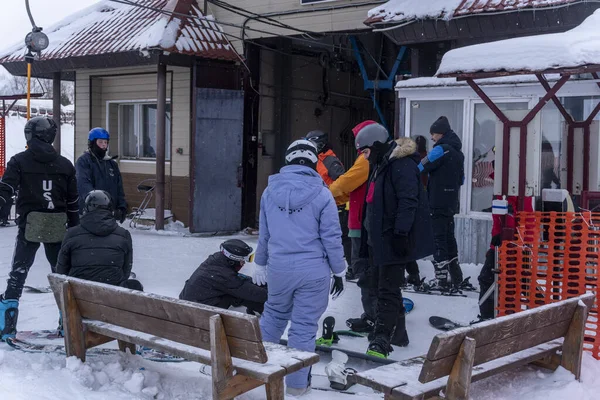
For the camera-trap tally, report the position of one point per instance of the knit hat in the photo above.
(441, 125)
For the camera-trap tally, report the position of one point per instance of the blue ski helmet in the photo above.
(98, 133)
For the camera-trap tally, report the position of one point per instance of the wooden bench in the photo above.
(230, 342)
(459, 357)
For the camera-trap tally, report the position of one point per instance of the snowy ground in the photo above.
(41, 376)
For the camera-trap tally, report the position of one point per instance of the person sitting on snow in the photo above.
(98, 249)
(216, 281)
(299, 247)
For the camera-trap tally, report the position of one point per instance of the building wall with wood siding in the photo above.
(96, 88)
(332, 20)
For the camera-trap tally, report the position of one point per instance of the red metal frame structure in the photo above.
(3, 113)
(551, 94)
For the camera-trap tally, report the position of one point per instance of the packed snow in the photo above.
(408, 10)
(121, 376)
(579, 46)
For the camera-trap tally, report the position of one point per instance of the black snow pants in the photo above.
(486, 279)
(346, 241)
(381, 295)
(358, 264)
(5, 210)
(229, 301)
(446, 249)
(23, 258)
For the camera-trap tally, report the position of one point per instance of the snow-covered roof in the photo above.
(575, 48)
(452, 82)
(407, 10)
(109, 27)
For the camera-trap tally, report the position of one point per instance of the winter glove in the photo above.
(338, 286)
(401, 245)
(260, 275)
(121, 214)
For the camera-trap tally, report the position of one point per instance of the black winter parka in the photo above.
(98, 250)
(399, 207)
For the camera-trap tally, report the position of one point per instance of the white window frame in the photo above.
(137, 116)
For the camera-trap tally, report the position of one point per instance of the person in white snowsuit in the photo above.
(299, 247)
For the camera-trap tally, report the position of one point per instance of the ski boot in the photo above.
(329, 336)
(337, 372)
(380, 347)
(361, 325)
(9, 313)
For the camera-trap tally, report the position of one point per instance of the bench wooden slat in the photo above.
(253, 351)
(282, 360)
(415, 390)
(384, 379)
(448, 344)
(183, 312)
(442, 367)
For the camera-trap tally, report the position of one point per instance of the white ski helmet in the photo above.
(302, 152)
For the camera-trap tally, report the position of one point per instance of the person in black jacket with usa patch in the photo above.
(216, 282)
(97, 171)
(46, 202)
(445, 166)
(98, 249)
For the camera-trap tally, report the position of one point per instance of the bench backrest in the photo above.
(501, 337)
(173, 319)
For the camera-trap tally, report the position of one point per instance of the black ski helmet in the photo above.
(43, 128)
(98, 200)
(237, 250)
(319, 138)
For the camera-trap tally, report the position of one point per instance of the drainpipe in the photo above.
(161, 100)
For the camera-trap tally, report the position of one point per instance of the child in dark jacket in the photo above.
(216, 282)
(98, 249)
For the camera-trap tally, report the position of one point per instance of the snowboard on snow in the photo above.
(37, 289)
(444, 324)
(48, 334)
(144, 352)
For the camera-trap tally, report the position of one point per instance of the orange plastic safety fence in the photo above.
(554, 256)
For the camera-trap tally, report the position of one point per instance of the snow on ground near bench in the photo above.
(163, 262)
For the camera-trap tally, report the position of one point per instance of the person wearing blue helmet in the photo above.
(97, 171)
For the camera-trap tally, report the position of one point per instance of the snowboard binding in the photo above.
(329, 336)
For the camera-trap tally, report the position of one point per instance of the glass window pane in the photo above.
(553, 125)
(424, 113)
(148, 141)
(484, 139)
(127, 131)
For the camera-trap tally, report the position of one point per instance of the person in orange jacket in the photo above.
(331, 168)
(351, 187)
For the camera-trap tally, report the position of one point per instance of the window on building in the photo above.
(484, 139)
(424, 113)
(137, 130)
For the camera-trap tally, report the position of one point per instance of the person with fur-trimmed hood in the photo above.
(299, 249)
(97, 171)
(396, 229)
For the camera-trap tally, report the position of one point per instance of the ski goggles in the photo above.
(249, 258)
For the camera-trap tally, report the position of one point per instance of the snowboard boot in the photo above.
(9, 313)
(362, 325)
(413, 279)
(337, 373)
(4, 222)
(380, 347)
(441, 273)
(455, 272)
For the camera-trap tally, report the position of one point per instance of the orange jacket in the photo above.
(329, 167)
(352, 186)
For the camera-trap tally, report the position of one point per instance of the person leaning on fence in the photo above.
(46, 203)
(97, 171)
